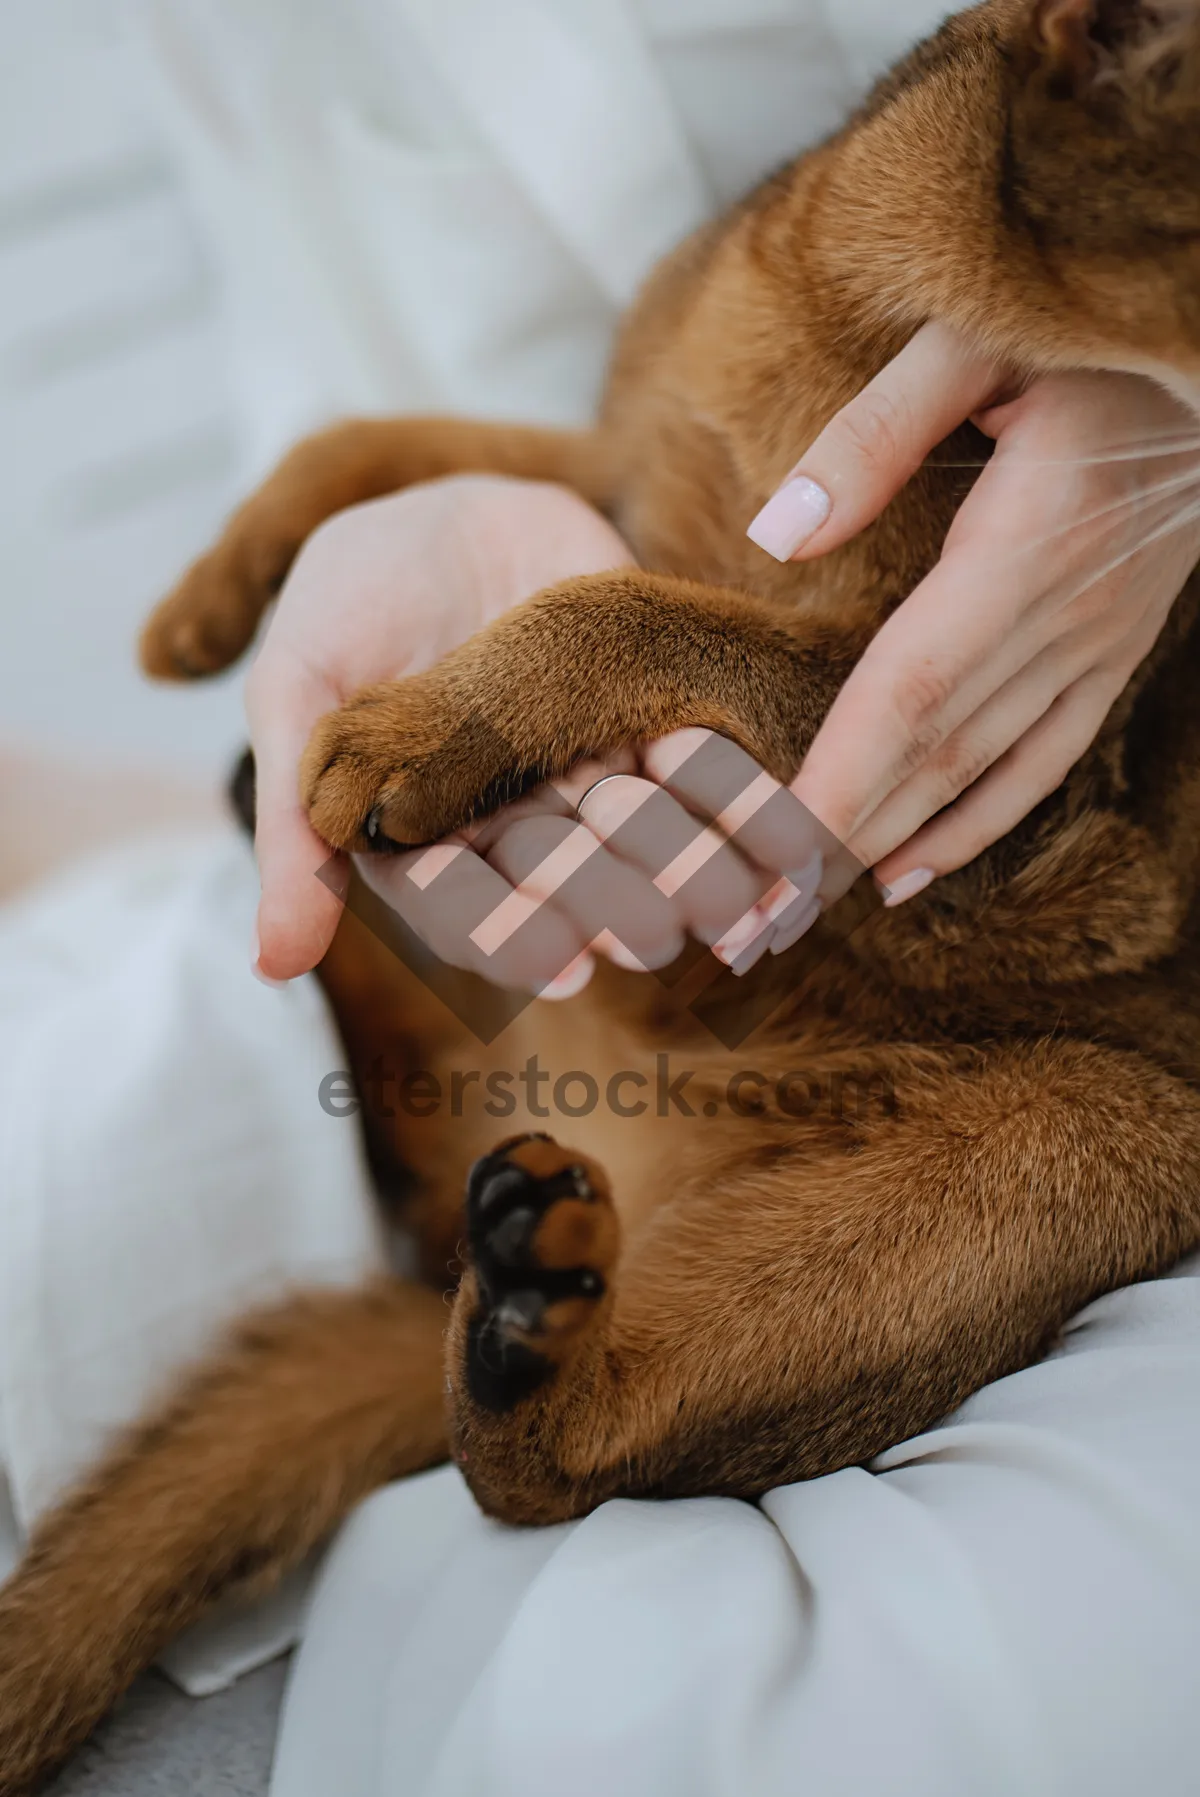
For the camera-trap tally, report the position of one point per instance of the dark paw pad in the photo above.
(542, 1236)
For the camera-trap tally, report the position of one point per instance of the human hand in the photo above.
(386, 589)
(983, 689)
(381, 591)
(686, 835)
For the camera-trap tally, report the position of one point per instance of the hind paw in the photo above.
(211, 616)
(543, 1239)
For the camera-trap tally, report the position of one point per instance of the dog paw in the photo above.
(543, 1239)
(213, 612)
(400, 765)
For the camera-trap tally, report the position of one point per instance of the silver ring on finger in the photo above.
(595, 787)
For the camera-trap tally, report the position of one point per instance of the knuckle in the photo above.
(1095, 603)
(875, 430)
(956, 765)
(924, 691)
(919, 699)
(922, 741)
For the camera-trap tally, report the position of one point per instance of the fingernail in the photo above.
(794, 890)
(907, 886)
(811, 874)
(751, 956)
(572, 980)
(800, 926)
(739, 936)
(790, 517)
(264, 979)
(779, 900)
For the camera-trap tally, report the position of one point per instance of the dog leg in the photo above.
(248, 1468)
(213, 612)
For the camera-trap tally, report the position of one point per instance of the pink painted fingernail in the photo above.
(750, 957)
(264, 979)
(738, 938)
(793, 890)
(790, 517)
(907, 886)
(800, 926)
(811, 874)
(571, 981)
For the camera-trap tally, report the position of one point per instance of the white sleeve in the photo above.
(431, 204)
(1009, 1604)
(446, 204)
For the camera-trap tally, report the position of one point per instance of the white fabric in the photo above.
(445, 203)
(163, 1165)
(1008, 1606)
(423, 203)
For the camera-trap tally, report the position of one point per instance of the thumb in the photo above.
(303, 882)
(875, 444)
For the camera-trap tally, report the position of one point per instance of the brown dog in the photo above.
(676, 1304)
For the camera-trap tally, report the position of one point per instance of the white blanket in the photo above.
(421, 205)
(164, 1163)
(1010, 1604)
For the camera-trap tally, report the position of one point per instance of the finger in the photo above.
(543, 801)
(718, 782)
(969, 751)
(613, 905)
(875, 444)
(303, 881)
(557, 798)
(469, 915)
(1008, 792)
(571, 786)
(711, 886)
(931, 666)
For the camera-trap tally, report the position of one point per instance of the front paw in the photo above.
(403, 764)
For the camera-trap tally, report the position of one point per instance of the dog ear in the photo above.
(1083, 40)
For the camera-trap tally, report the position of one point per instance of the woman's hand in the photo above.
(386, 589)
(994, 676)
(985, 687)
(528, 898)
(381, 591)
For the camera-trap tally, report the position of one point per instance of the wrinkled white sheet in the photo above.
(1009, 1605)
(423, 205)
